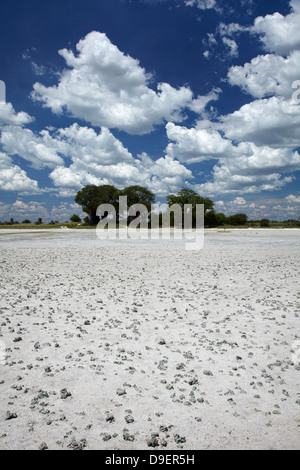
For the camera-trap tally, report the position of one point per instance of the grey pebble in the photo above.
(19, 338)
(110, 418)
(161, 341)
(193, 381)
(65, 394)
(179, 439)
(153, 441)
(74, 445)
(127, 436)
(129, 419)
(10, 415)
(43, 446)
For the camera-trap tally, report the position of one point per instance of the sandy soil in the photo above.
(144, 345)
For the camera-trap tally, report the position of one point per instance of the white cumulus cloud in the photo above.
(267, 75)
(197, 144)
(226, 182)
(13, 178)
(293, 199)
(272, 121)
(39, 149)
(232, 46)
(161, 176)
(9, 116)
(203, 4)
(278, 33)
(105, 87)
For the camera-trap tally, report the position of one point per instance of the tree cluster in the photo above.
(91, 197)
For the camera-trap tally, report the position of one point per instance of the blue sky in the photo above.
(165, 94)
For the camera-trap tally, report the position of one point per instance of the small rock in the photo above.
(193, 381)
(43, 446)
(153, 441)
(127, 436)
(161, 341)
(129, 419)
(19, 338)
(179, 439)
(74, 445)
(10, 415)
(163, 442)
(163, 428)
(162, 365)
(65, 394)
(110, 418)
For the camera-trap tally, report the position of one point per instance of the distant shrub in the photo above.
(75, 218)
(265, 223)
(237, 219)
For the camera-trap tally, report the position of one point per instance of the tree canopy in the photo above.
(75, 218)
(138, 195)
(237, 219)
(188, 196)
(91, 197)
